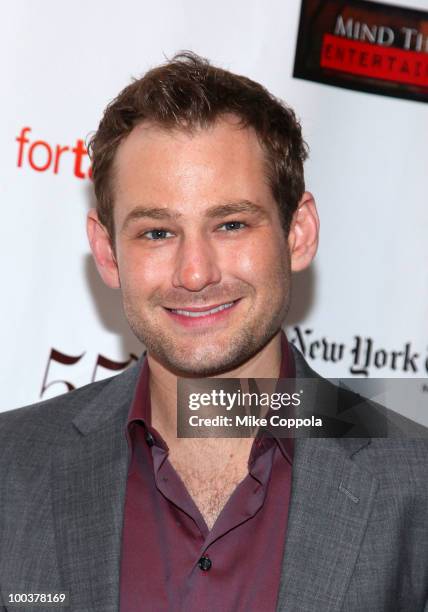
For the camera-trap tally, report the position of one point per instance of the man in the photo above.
(201, 218)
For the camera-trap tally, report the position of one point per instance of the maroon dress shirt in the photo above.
(170, 560)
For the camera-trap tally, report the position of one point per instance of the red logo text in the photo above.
(41, 156)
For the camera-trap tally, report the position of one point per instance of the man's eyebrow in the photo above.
(149, 212)
(232, 208)
(214, 212)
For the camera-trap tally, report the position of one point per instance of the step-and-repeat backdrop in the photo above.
(356, 74)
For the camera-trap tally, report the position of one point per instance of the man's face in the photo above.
(202, 258)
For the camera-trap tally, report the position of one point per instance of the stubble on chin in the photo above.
(203, 358)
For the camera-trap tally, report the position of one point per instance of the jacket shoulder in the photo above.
(360, 416)
(48, 423)
(386, 444)
(59, 408)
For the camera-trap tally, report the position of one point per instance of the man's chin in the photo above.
(200, 368)
(203, 361)
(208, 370)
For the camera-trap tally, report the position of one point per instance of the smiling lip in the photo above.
(195, 315)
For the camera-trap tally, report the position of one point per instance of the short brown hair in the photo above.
(187, 92)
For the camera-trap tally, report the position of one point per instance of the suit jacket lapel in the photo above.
(88, 485)
(330, 505)
(331, 501)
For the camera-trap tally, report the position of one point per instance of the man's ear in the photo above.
(102, 250)
(304, 232)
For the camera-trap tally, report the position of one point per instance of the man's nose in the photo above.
(196, 265)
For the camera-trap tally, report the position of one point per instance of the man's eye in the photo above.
(231, 226)
(157, 234)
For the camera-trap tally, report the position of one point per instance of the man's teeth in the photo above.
(202, 313)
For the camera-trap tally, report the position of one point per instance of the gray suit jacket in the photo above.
(357, 538)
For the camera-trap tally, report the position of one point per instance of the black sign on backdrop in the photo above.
(366, 46)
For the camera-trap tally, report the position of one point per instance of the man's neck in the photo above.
(163, 389)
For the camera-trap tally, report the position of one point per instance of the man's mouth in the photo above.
(203, 314)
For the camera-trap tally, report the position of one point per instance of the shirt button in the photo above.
(204, 563)
(149, 439)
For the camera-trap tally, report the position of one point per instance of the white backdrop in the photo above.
(62, 62)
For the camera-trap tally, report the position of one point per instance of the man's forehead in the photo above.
(226, 125)
(154, 158)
